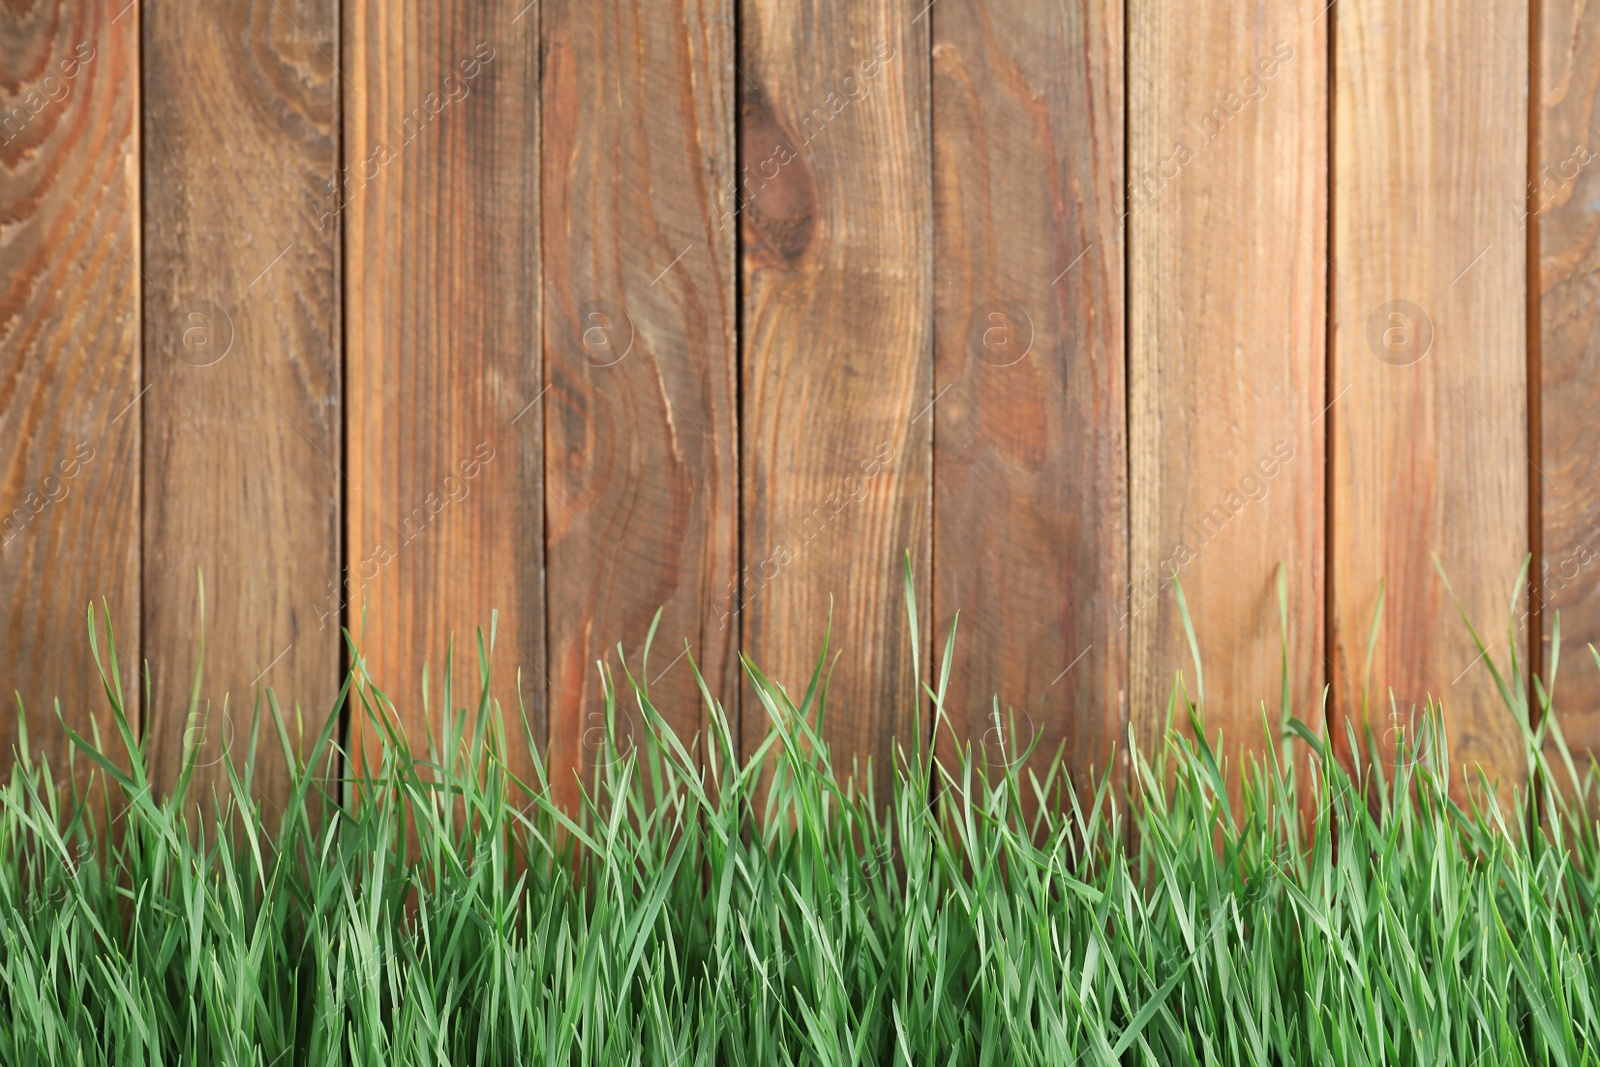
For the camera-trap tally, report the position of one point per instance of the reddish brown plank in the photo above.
(1227, 202)
(1030, 463)
(69, 358)
(641, 448)
(242, 339)
(835, 198)
(1565, 226)
(1429, 434)
(440, 203)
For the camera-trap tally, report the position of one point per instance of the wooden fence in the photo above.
(393, 315)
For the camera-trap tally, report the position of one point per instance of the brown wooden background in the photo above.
(393, 314)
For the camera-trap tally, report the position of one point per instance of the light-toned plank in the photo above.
(1227, 207)
(641, 448)
(835, 201)
(1030, 466)
(69, 358)
(1429, 446)
(242, 338)
(1565, 227)
(440, 205)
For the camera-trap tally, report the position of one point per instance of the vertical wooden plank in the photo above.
(69, 357)
(1030, 463)
(440, 199)
(1429, 432)
(641, 448)
(1565, 223)
(1227, 188)
(835, 196)
(242, 336)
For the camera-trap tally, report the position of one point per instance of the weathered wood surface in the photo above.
(1563, 225)
(69, 359)
(1429, 445)
(1030, 460)
(440, 201)
(1227, 209)
(242, 338)
(573, 313)
(641, 449)
(837, 258)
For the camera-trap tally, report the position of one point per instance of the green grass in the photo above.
(761, 912)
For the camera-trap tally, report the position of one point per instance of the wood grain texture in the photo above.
(835, 197)
(1227, 207)
(1564, 213)
(69, 359)
(641, 449)
(440, 203)
(1030, 461)
(242, 356)
(1429, 434)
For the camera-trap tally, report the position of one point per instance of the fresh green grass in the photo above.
(431, 908)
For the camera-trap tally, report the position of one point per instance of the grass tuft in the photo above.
(432, 907)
